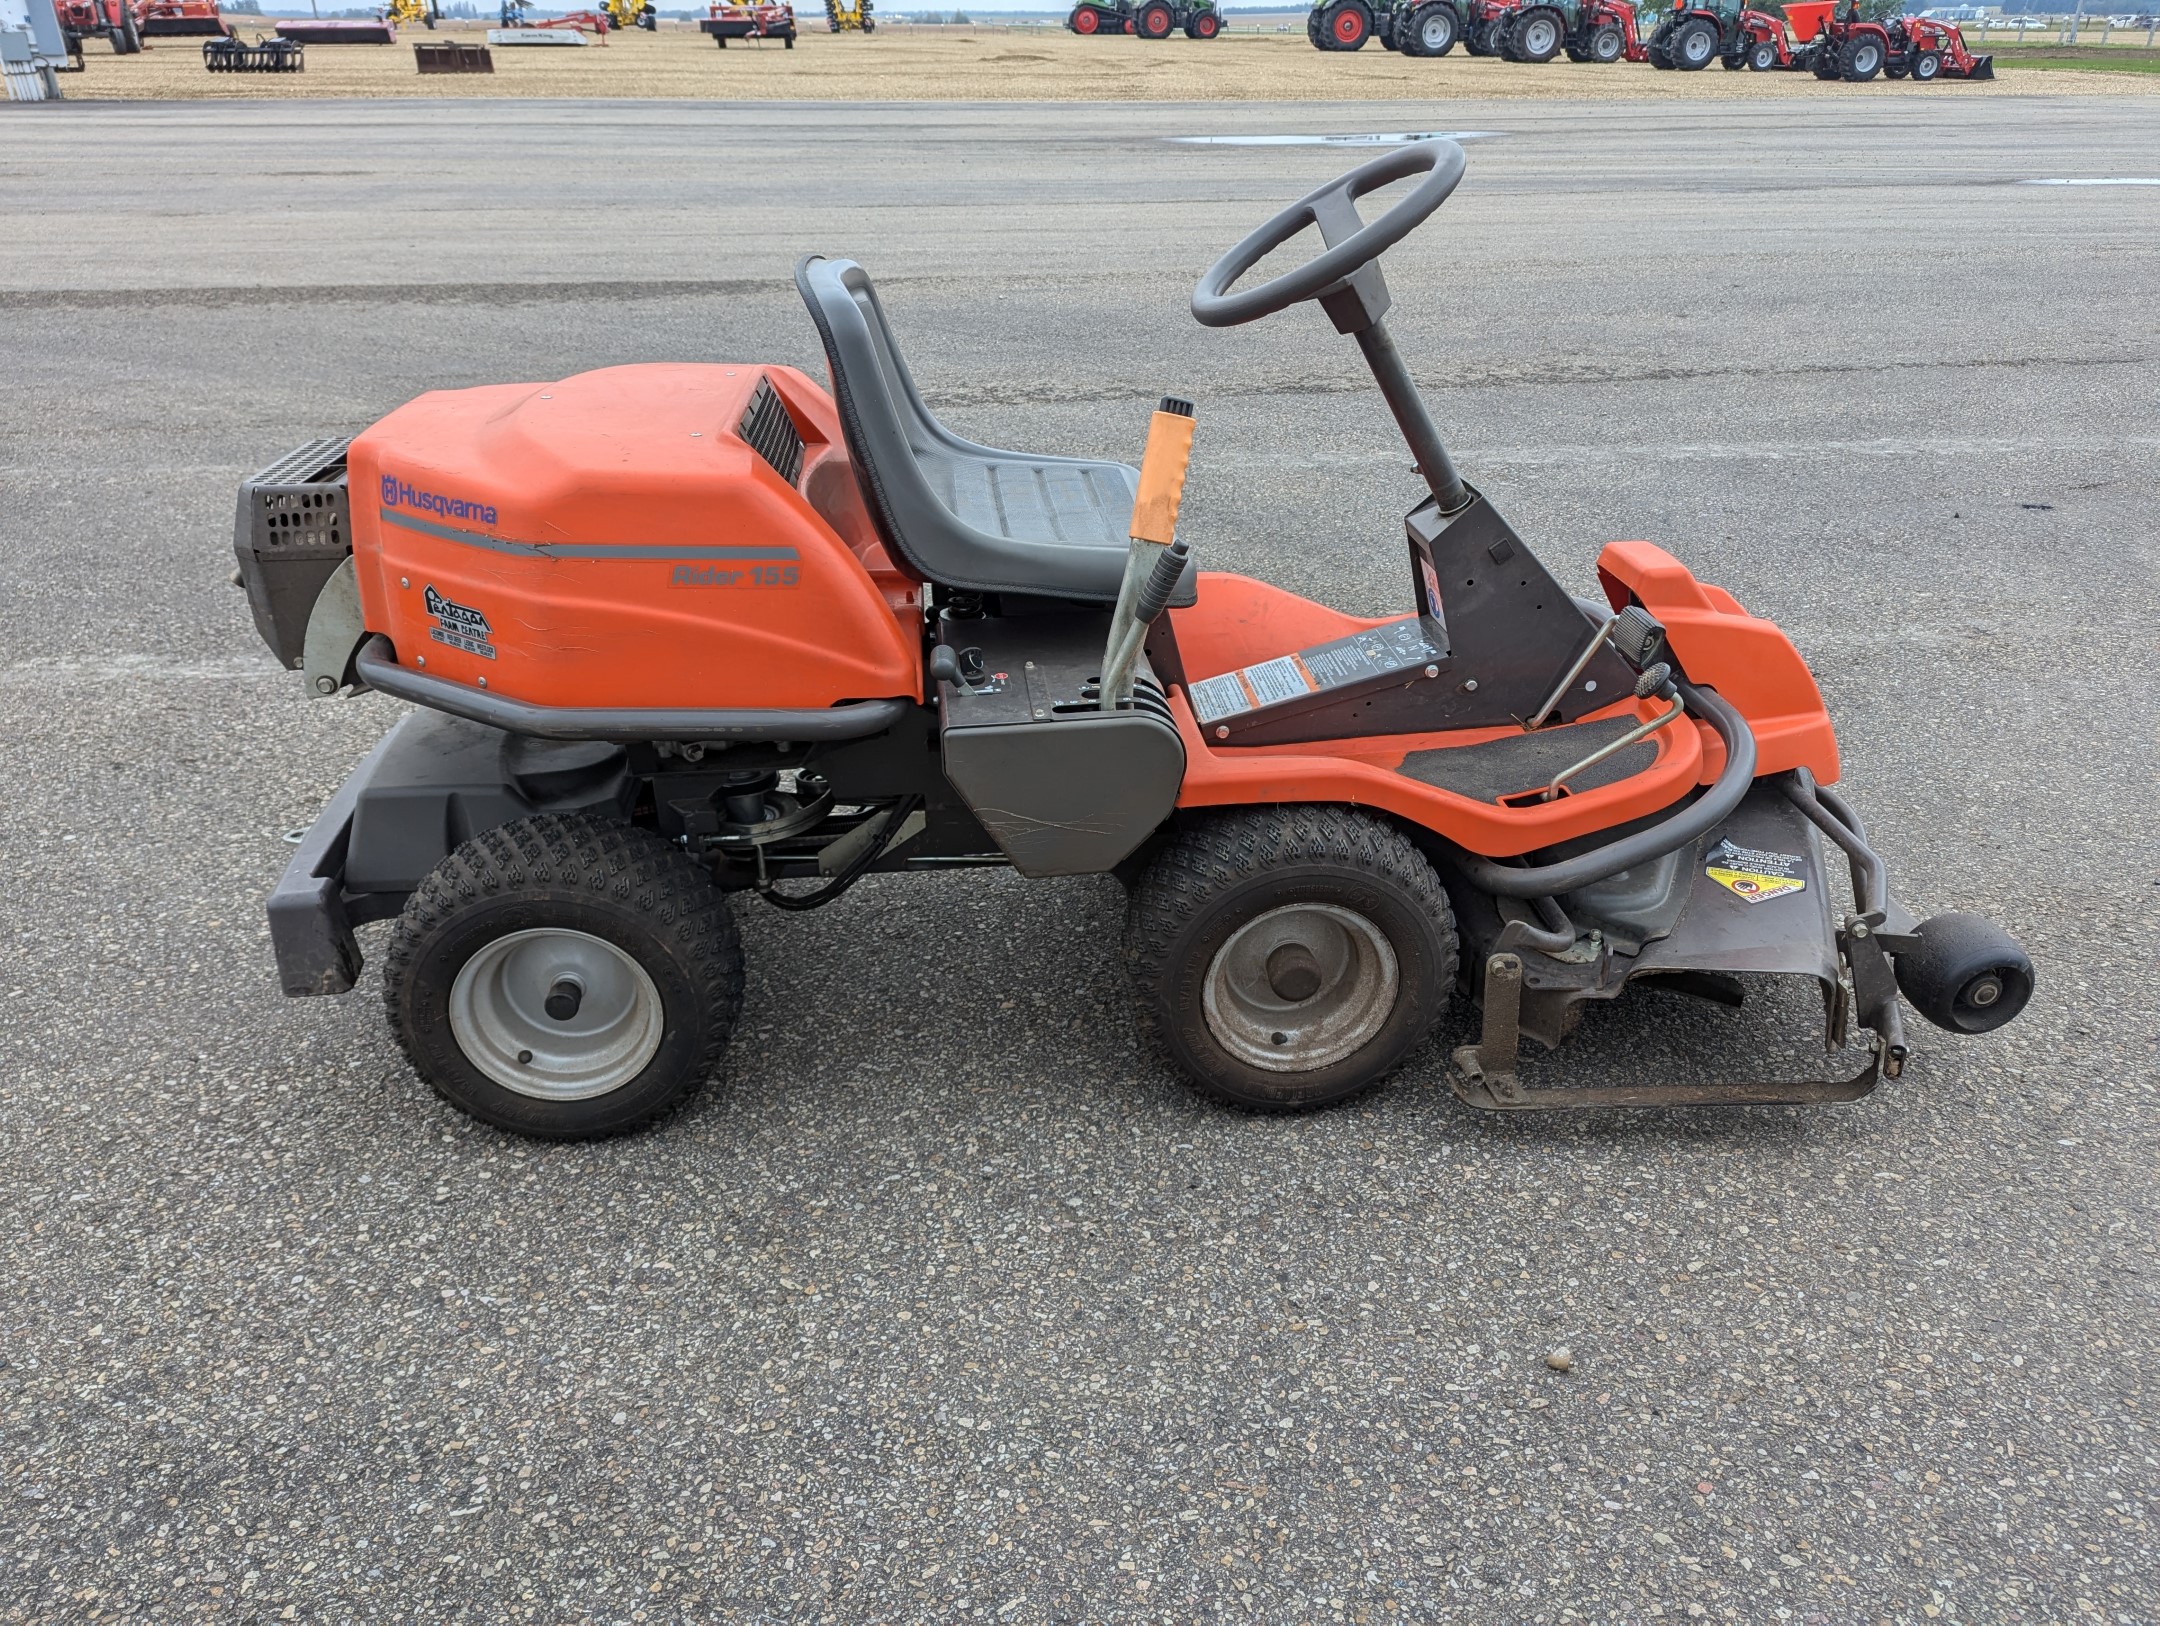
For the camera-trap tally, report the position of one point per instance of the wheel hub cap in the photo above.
(1300, 987)
(555, 1014)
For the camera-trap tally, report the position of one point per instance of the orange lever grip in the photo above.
(1162, 478)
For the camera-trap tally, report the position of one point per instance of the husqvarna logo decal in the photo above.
(397, 493)
(458, 625)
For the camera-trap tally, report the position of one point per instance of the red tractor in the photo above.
(114, 20)
(1850, 47)
(1488, 26)
(1588, 30)
(1696, 33)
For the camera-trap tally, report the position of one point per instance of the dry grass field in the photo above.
(977, 64)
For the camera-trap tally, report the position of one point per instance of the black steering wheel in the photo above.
(1351, 242)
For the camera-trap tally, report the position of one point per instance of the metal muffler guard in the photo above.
(1486, 1074)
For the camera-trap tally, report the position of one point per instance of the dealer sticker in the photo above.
(459, 625)
(1753, 875)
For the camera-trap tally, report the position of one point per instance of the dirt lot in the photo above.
(976, 64)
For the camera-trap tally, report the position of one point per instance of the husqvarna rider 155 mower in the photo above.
(768, 640)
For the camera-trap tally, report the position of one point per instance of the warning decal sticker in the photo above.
(1217, 697)
(1753, 875)
(1284, 678)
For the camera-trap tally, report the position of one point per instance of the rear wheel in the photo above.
(1348, 25)
(1083, 20)
(1968, 975)
(1861, 60)
(1694, 43)
(1927, 66)
(1289, 957)
(1607, 44)
(1155, 21)
(1537, 36)
(564, 977)
(1432, 32)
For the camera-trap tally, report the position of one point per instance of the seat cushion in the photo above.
(1025, 500)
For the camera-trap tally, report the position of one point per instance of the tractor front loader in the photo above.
(1924, 50)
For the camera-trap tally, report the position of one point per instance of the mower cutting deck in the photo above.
(771, 639)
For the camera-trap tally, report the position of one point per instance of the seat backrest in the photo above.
(890, 433)
(879, 404)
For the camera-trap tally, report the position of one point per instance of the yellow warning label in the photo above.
(1753, 875)
(1754, 888)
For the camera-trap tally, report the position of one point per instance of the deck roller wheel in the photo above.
(1968, 975)
(1289, 958)
(564, 977)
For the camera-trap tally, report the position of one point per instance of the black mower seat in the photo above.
(962, 515)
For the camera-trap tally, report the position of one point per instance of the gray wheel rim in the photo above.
(498, 1014)
(1435, 32)
(1698, 45)
(1357, 985)
(1539, 38)
(1865, 59)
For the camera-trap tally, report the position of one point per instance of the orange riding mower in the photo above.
(678, 634)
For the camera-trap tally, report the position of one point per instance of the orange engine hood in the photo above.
(613, 539)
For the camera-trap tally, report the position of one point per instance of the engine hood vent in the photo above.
(771, 433)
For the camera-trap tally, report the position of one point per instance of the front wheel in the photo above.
(1927, 67)
(1289, 958)
(1204, 26)
(1763, 57)
(564, 977)
(1607, 44)
(1083, 20)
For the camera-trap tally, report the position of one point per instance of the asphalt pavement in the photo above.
(946, 1301)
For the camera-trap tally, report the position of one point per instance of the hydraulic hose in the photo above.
(1703, 814)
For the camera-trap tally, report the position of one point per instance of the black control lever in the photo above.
(1162, 582)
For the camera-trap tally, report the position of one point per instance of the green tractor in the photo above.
(1413, 27)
